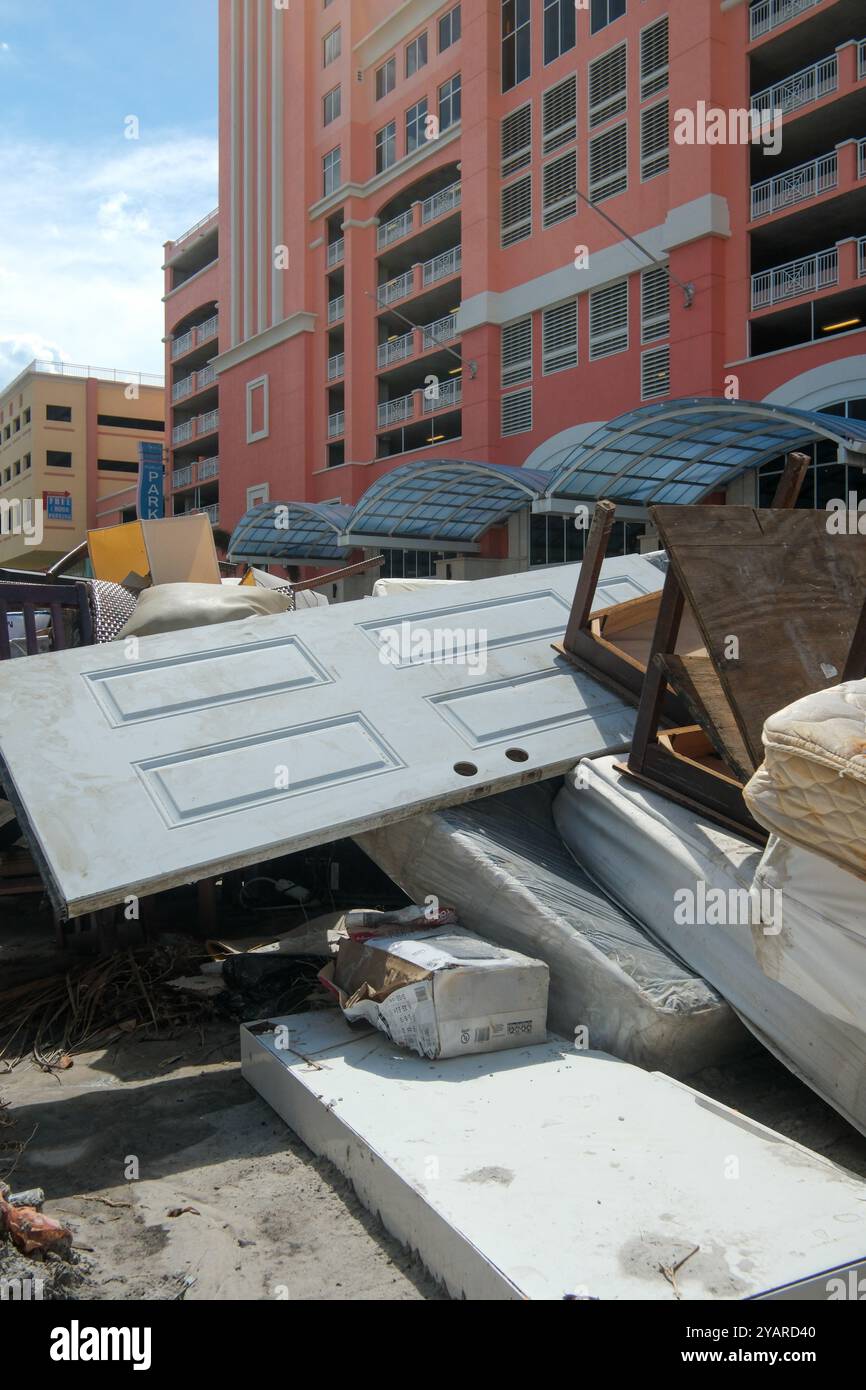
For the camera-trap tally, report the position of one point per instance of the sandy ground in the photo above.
(270, 1221)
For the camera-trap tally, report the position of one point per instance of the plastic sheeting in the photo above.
(501, 863)
(820, 952)
(651, 854)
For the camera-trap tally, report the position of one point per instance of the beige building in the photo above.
(69, 441)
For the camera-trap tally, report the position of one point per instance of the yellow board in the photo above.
(116, 551)
(173, 550)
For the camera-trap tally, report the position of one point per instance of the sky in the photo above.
(84, 209)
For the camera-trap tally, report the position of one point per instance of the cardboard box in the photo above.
(442, 993)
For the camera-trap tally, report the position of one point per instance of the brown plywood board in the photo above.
(782, 585)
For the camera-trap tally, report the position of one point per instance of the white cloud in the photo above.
(81, 248)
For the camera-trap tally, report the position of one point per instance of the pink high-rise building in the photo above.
(406, 264)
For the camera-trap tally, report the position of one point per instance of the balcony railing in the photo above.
(861, 159)
(336, 424)
(201, 334)
(441, 267)
(805, 276)
(442, 331)
(193, 429)
(336, 366)
(446, 200)
(801, 88)
(449, 394)
(191, 231)
(212, 513)
(196, 381)
(336, 252)
(396, 289)
(861, 58)
(395, 412)
(768, 15)
(200, 472)
(336, 309)
(796, 186)
(861, 256)
(392, 231)
(396, 350)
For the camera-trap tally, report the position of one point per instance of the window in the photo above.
(655, 304)
(517, 352)
(516, 217)
(559, 28)
(416, 120)
(386, 147)
(516, 43)
(130, 422)
(59, 412)
(654, 141)
(16, 424)
(654, 59)
(333, 103)
(449, 28)
(386, 78)
(258, 409)
(331, 171)
(559, 115)
(608, 163)
(608, 95)
(58, 458)
(604, 12)
(517, 412)
(332, 46)
(18, 468)
(516, 138)
(27, 416)
(559, 338)
(608, 320)
(28, 461)
(116, 466)
(258, 495)
(559, 190)
(450, 98)
(655, 373)
(416, 54)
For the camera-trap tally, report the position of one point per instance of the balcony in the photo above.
(336, 252)
(449, 395)
(861, 256)
(212, 513)
(446, 200)
(336, 366)
(192, 473)
(436, 334)
(395, 412)
(796, 186)
(443, 266)
(768, 15)
(420, 215)
(337, 424)
(399, 288)
(805, 276)
(197, 428)
(802, 88)
(861, 59)
(861, 159)
(336, 309)
(194, 338)
(396, 350)
(195, 382)
(395, 230)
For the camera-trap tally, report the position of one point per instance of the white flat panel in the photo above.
(224, 746)
(544, 1172)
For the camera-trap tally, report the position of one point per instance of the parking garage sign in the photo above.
(151, 479)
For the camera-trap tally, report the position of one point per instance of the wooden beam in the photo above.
(590, 570)
(791, 480)
(655, 683)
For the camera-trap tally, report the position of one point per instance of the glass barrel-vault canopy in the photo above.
(277, 532)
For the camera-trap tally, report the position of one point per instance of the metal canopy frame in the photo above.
(314, 538)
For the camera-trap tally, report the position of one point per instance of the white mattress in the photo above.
(820, 951)
(811, 787)
(646, 852)
(501, 863)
